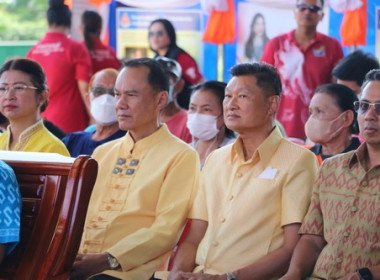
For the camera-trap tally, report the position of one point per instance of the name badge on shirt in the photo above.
(321, 52)
(268, 173)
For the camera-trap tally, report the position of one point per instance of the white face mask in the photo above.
(201, 126)
(103, 109)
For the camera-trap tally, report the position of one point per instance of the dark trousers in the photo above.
(103, 277)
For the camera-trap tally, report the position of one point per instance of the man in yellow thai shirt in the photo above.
(145, 186)
(253, 194)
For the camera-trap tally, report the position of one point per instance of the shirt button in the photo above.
(364, 183)
(239, 175)
(354, 209)
(338, 260)
(222, 220)
(346, 234)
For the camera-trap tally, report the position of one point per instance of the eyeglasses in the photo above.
(311, 8)
(17, 89)
(97, 91)
(159, 33)
(362, 106)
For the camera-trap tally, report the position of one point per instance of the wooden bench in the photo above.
(55, 194)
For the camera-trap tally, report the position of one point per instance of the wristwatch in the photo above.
(364, 273)
(114, 264)
(230, 276)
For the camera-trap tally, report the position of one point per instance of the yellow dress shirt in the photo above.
(141, 198)
(246, 203)
(36, 138)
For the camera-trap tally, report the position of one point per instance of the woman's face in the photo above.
(19, 103)
(259, 26)
(323, 107)
(158, 37)
(205, 102)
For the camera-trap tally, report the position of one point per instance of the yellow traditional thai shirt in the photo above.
(345, 210)
(246, 203)
(141, 198)
(35, 138)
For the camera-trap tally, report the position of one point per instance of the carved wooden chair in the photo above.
(55, 194)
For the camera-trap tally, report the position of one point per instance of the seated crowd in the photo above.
(246, 201)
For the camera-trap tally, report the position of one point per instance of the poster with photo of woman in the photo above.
(258, 21)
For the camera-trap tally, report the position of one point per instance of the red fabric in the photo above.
(301, 71)
(190, 69)
(221, 27)
(177, 126)
(65, 61)
(102, 57)
(353, 29)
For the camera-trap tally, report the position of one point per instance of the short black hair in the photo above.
(218, 89)
(267, 76)
(373, 75)
(355, 66)
(58, 13)
(158, 77)
(344, 98)
(30, 67)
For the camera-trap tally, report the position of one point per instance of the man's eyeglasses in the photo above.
(98, 91)
(17, 89)
(362, 106)
(311, 8)
(159, 33)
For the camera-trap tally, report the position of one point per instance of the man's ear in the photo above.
(321, 15)
(273, 104)
(162, 99)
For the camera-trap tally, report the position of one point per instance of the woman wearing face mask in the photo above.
(205, 118)
(332, 121)
(102, 103)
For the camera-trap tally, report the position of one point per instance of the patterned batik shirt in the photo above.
(345, 210)
(10, 207)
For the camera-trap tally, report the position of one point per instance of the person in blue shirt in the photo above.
(102, 102)
(10, 209)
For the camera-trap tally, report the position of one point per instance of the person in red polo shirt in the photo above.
(67, 66)
(304, 59)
